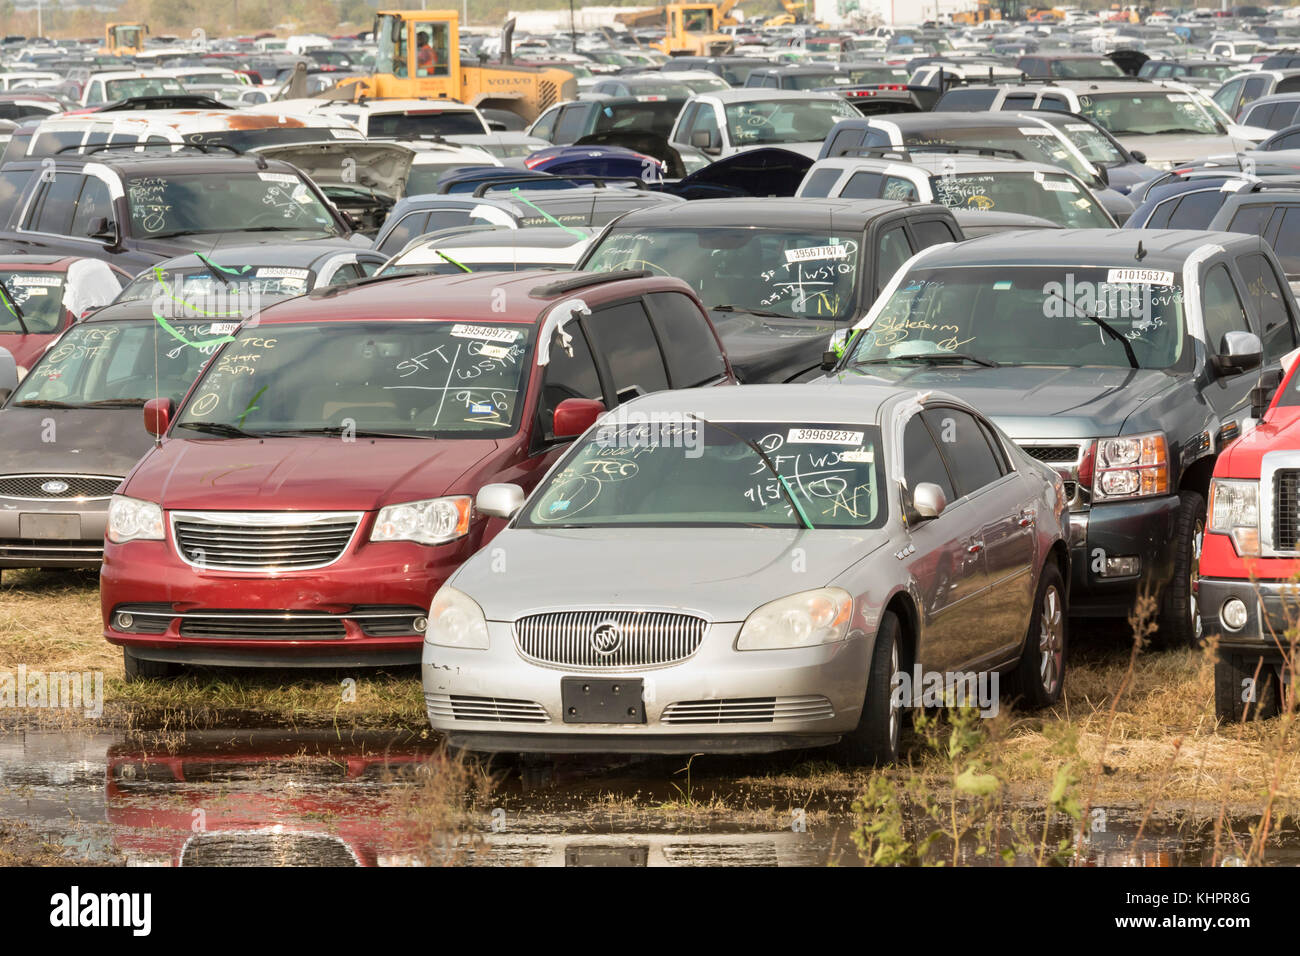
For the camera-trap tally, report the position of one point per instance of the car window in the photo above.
(546, 124)
(623, 335)
(348, 272)
(899, 188)
(55, 213)
(1018, 101)
(567, 376)
(863, 186)
(1195, 210)
(694, 357)
(964, 446)
(1264, 292)
(1223, 309)
(893, 252)
(12, 184)
(706, 120)
(407, 229)
(921, 460)
(931, 232)
(1251, 219)
(1226, 97)
(94, 202)
(570, 126)
(820, 182)
(1285, 141)
(683, 134)
(1287, 241)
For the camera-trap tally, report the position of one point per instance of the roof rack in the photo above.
(906, 152)
(599, 182)
(586, 281)
(171, 147)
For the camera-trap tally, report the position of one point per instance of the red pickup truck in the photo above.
(1249, 582)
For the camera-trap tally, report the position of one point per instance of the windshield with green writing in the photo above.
(217, 289)
(408, 379)
(39, 298)
(681, 471)
(785, 272)
(1024, 315)
(114, 362)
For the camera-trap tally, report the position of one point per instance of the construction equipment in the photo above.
(983, 12)
(124, 39)
(658, 16)
(419, 58)
(693, 31)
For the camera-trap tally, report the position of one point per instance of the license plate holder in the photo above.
(51, 527)
(602, 700)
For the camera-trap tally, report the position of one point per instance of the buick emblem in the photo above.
(54, 487)
(607, 638)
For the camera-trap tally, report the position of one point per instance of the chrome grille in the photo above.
(647, 638)
(499, 709)
(264, 625)
(1286, 498)
(28, 487)
(747, 710)
(262, 540)
(25, 550)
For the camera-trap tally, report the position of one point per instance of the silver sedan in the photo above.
(752, 569)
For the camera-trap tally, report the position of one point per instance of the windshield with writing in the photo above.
(1058, 197)
(430, 123)
(1030, 316)
(142, 86)
(189, 203)
(418, 379)
(769, 122)
(1038, 144)
(39, 297)
(208, 288)
(115, 361)
(679, 471)
(1148, 114)
(790, 273)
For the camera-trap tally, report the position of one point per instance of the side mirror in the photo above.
(573, 416)
(830, 360)
(707, 140)
(1137, 154)
(158, 415)
(1261, 396)
(1103, 174)
(497, 126)
(929, 500)
(8, 374)
(1242, 351)
(499, 500)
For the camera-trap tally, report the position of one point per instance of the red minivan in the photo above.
(41, 296)
(315, 487)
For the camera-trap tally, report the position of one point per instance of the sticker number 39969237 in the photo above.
(824, 436)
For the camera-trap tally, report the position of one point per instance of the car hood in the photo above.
(383, 167)
(74, 441)
(771, 350)
(1035, 401)
(304, 474)
(724, 573)
(756, 171)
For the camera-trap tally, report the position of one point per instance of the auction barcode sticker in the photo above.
(1140, 276)
(486, 332)
(823, 436)
(1059, 187)
(278, 177)
(279, 272)
(1035, 131)
(816, 252)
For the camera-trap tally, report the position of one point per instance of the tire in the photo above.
(1179, 624)
(137, 668)
(875, 739)
(1233, 675)
(1039, 677)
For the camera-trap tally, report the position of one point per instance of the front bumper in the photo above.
(21, 548)
(741, 701)
(1143, 528)
(1271, 608)
(249, 619)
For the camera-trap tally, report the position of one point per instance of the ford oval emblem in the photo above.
(54, 486)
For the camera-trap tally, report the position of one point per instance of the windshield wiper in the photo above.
(737, 308)
(15, 308)
(217, 428)
(340, 430)
(932, 357)
(1105, 327)
(215, 269)
(41, 403)
(780, 478)
(115, 403)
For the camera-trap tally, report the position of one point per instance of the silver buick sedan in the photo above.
(751, 569)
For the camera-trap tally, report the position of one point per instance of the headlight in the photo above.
(435, 521)
(131, 518)
(456, 620)
(1234, 511)
(1164, 165)
(1131, 467)
(800, 620)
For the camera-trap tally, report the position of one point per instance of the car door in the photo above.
(49, 218)
(982, 473)
(627, 350)
(949, 572)
(1271, 309)
(1223, 310)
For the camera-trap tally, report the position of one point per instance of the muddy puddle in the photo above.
(239, 797)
